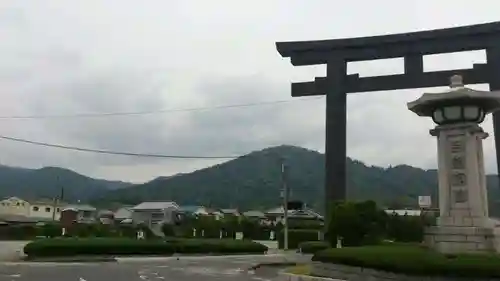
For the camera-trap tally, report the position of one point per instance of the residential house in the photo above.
(15, 209)
(45, 209)
(106, 216)
(155, 212)
(15, 206)
(218, 215)
(124, 213)
(84, 213)
(230, 212)
(257, 216)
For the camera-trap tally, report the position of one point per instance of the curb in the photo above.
(297, 277)
(70, 259)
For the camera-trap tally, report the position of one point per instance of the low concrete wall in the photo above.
(351, 273)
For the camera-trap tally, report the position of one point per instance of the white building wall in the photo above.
(44, 211)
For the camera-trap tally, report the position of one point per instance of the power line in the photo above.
(114, 152)
(131, 113)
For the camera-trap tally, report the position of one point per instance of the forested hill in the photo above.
(47, 183)
(253, 181)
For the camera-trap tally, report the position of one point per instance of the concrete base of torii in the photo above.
(463, 225)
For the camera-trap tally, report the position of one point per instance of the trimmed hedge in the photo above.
(297, 236)
(414, 260)
(125, 246)
(312, 247)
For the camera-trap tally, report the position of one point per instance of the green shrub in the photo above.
(405, 228)
(127, 230)
(312, 247)
(50, 230)
(413, 260)
(125, 246)
(305, 224)
(252, 229)
(91, 230)
(297, 236)
(168, 230)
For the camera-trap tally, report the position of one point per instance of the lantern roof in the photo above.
(458, 94)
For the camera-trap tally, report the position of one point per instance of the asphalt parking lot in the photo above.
(184, 269)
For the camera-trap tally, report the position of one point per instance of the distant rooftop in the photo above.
(298, 213)
(155, 206)
(229, 211)
(81, 207)
(254, 214)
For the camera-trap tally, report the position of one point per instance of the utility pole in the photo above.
(55, 201)
(58, 199)
(284, 196)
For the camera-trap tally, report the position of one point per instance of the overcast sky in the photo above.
(73, 57)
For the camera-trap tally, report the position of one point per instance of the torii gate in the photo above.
(410, 46)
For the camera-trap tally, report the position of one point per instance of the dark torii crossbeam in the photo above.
(410, 46)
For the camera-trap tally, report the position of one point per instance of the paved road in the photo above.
(11, 250)
(184, 269)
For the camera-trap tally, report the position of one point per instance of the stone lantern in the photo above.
(463, 224)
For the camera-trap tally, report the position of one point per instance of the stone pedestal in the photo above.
(463, 225)
(459, 239)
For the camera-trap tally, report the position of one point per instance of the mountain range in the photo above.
(48, 182)
(248, 182)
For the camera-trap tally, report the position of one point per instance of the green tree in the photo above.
(356, 224)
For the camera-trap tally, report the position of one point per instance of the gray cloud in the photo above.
(90, 57)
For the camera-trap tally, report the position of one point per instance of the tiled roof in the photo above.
(155, 206)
